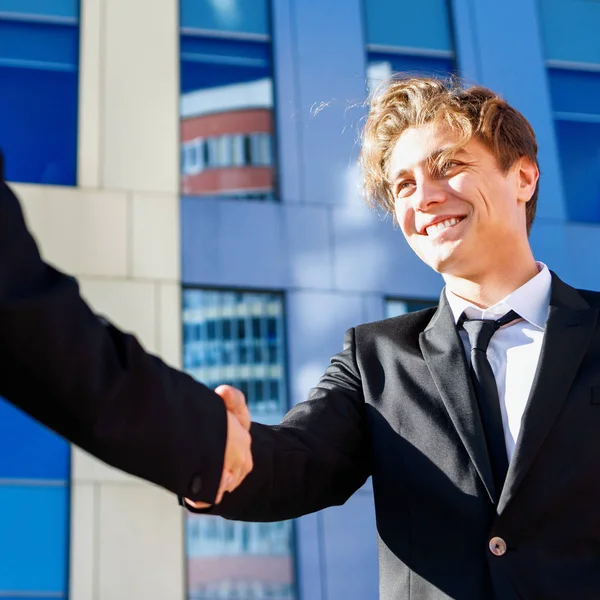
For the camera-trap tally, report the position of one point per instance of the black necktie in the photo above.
(480, 332)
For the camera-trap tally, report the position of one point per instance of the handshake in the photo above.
(238, 457)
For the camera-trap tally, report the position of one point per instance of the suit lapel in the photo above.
(569, 330)
(444, 355)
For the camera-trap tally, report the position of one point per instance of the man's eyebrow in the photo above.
(432, 158)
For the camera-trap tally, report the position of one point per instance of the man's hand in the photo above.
(238, 457)
(235, 402)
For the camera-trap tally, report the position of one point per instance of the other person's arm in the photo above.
(97, 387)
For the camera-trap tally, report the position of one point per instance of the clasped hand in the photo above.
(238, 457)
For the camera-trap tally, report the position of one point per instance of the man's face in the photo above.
(457, 210)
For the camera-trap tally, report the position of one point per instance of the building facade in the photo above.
(194, 166)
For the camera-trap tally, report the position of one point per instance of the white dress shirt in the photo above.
(514, 350)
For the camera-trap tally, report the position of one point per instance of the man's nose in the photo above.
(428, 193)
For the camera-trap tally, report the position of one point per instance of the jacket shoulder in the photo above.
(407, 326)
(591, 297)
(571, 296)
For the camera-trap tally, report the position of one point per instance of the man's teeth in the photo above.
(442, 225)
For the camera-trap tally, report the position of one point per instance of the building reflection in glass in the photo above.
(226, 105)
(238, 338)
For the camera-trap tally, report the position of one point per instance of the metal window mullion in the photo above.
(238, 36)
(410, 51)
(569, 65)
(577, 117)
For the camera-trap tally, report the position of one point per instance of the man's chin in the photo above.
(443, 263)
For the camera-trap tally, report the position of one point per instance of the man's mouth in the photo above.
(441, 225)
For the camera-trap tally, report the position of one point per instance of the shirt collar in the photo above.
(531, 301)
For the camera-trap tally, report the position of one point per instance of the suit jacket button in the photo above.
(497, 546)
(196, 484)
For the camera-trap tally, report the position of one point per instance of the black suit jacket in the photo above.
(398, 404)
(94, 384)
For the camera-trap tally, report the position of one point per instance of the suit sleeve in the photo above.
(94, 384)
(317, 457)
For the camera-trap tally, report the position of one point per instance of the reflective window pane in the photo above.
(574, 91)
(29, 450)
(396, 307)
(39, 56)
(383, 65)
(226, 103)
(238, 339)
(569, 30)
(35, 535)
(424, 24)
(34, 507)
(579, 151)
(239, 16)
(575, 100)
(424, 48)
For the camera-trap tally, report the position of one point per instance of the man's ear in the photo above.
(527, 178)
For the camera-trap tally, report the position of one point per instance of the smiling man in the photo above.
(479, 420)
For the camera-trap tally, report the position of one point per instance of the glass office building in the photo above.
(39, 70)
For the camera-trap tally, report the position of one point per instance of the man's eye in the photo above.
(448, 166)
(403, 187)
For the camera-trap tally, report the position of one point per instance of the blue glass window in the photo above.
(34, 521)
(570, 36)
(226, 105)
(238, 338)
(382, 65)
(39, 56)
(575, 95)
(579, 151)
(412, 38)
(28, 450)
(34, 507)
(395, 307)
(569, 30)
